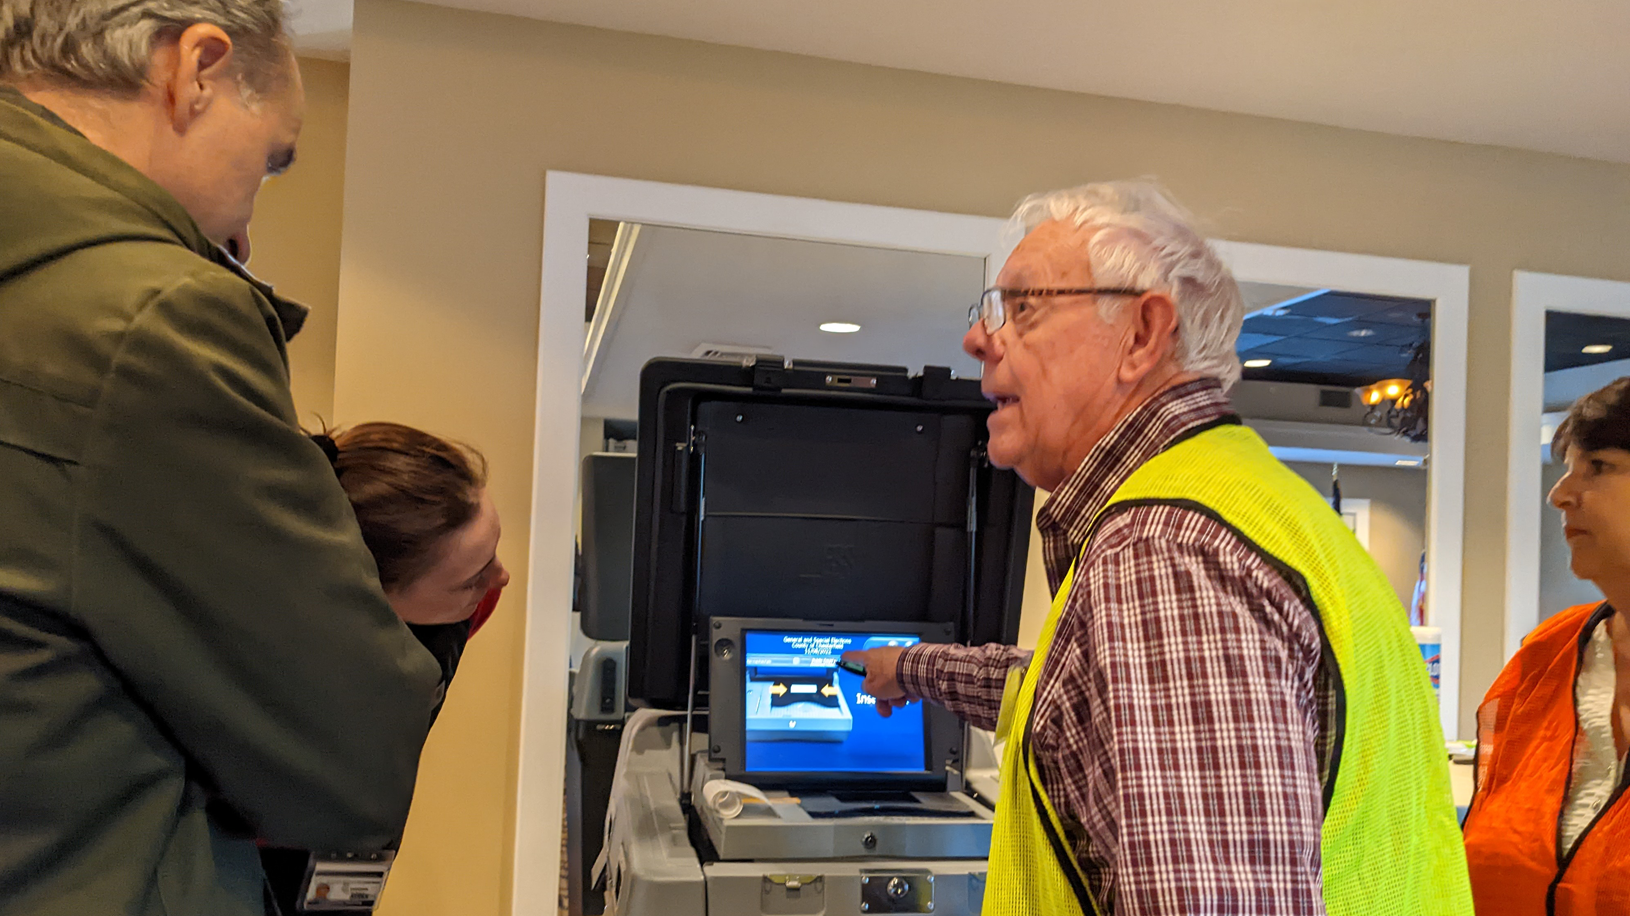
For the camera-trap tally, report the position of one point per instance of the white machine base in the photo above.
(774, 858)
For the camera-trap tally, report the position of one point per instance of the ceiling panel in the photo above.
(1335, 338)
(1304, 347)
(1568, 333)
(1363, 332)
(1281, 325)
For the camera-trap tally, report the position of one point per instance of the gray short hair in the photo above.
(107, 45)
(1146, 240)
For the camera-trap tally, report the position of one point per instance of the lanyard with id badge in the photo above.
(299, 882)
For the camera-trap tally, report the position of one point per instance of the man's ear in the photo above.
(1153, 336)
(195, 73)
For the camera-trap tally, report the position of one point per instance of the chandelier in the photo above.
(1399, 406)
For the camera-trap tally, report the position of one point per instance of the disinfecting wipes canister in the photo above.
(1430, 640)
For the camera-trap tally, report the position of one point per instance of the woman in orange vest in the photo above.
(1549, 827)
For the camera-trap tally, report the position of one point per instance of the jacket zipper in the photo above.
(1563, 861)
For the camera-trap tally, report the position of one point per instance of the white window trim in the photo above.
(1447, 286)
(1532, 295)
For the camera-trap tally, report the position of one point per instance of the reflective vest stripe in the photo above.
(1033, 871)
(1055, 833)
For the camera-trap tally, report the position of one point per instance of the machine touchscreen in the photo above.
(804, 714)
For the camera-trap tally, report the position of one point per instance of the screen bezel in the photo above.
(727, 726)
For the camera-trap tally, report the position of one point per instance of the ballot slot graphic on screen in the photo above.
(803, 713)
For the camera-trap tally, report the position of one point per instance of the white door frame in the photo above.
(1532, 295)
(1447, 285)
(573, 199)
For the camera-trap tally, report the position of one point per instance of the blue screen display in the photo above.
(806, 715)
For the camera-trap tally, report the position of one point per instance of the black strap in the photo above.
(330, 448)
(1061, 850)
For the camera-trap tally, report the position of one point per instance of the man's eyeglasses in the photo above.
(997, 304)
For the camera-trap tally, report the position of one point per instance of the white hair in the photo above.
(107, 45)
(1145, 240)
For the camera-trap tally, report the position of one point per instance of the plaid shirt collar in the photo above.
(1066, 519)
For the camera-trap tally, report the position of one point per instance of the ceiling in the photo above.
(684, 288)
(322, 28)
(1570, 373)
(1326, 337)
(1542, 76)
(1567, 334)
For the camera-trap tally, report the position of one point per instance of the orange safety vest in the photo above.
(1525, 745)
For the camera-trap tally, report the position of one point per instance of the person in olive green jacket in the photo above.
(195, 650)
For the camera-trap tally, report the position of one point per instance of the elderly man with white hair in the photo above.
(195, 650)
(1226, 713)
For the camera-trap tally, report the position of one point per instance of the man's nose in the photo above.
(503, 577)
(979, 344)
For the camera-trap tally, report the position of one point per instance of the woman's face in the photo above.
(467, 566)
(1594, 496)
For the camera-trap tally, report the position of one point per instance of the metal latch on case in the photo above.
(793, 895)
(897, 892)
(793, 882)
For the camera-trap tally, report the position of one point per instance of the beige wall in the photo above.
(456, 116)
(296, 235)
(1397, 516)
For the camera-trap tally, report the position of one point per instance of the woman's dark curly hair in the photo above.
(1598, 420)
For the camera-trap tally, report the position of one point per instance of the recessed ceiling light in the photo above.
(1258, 363)
(1598, 348)
(839, 327)
(1362, 332)
(1408, 462)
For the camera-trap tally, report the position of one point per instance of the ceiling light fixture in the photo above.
(839, 327)
(1594, 349)
(1362, 332)
(1258, 363)
(1399, 406)
(1408, 462)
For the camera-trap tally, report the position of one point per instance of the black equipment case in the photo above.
(814, 491)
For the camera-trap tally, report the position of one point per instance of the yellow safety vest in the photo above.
(1390, 842)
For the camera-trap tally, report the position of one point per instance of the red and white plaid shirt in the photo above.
(1180, 716)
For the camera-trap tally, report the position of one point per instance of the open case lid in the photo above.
(817, 492)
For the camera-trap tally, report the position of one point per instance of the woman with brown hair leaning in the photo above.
(425, 515)
(422, 504)
(1549, 827)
